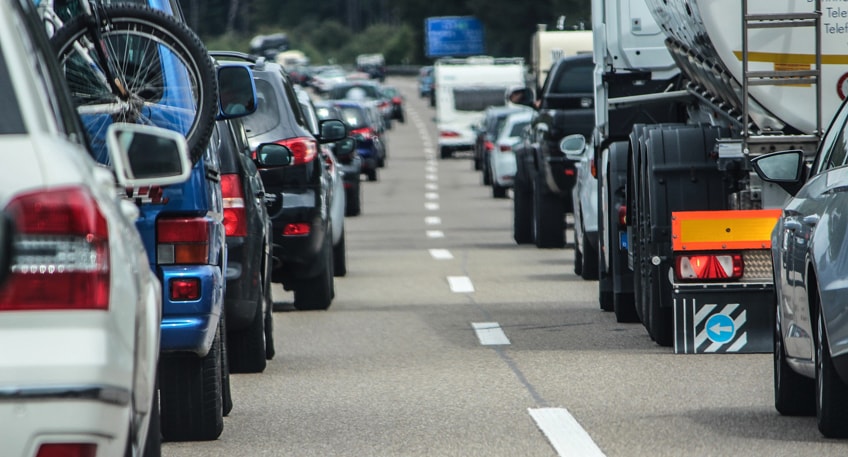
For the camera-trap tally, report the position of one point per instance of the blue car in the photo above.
(365, 127)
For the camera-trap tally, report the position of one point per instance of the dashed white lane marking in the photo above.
(565, 434)
(432, 177)
(460, 284)
(433, 220)
(431, 186)
(490, 334)
(431, 196)
(441, 254)
(431, 206)
(435, 234)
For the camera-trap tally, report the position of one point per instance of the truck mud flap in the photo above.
(725, 318)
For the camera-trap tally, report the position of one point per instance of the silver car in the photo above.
(585, 199)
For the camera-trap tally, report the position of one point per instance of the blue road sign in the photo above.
(720, 328)
(455, 36)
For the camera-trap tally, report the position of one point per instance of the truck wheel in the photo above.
(317, 293)
(548, 217)
(522, 212)
(794, 394)
(831, 391)
(190, 395)
(246, 348)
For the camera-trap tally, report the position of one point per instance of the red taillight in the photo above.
(61, 258)
(569, 172)
(505, 148)
(296, 229)
(67, 450)
(706, 267)
(365, 132)
(303, 149)
(622, 215)
(593, 168)
(235, 215)
(182, 241)
(184, 289)
(448, 134)
(397, 100)
(488, 145)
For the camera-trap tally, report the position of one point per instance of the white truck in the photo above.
(464, 88)
(686, 94)
(548, 46)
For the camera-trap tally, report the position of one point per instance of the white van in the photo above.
(464, 89)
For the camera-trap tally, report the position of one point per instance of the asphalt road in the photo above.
(396, 368)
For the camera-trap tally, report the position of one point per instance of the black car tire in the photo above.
(270, 351)
(487, 172)
(445, 152)
(522, 213)
(371, 174)
(353, 200)
(589, 260)
(548, 217)
(190, 395)
(498, 191)
(226, 393)
(153, 443)
(794, 394)
(831, 391)
(246, 348)
(340, 257)
(317, 293)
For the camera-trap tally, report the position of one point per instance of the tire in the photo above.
(831, 391)
(589, 260)
(498, 191)
(487, 172)
(226, 393)
(794, 394)
(153, 442)
(317, 293)
(270, 351)
(522, 213)
(548, 217)
(246, 348)
(147, 27)
(445, 152)
(340, 257)
(606, 296)
(353, 200)
(371, 174)
(190, 395)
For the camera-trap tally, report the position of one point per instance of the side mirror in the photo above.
(273, 155)
(521, 96)
(784, 168)
(236, 91)
(143, 155)
(7, 235)
(344, 147)
(573, 146)
(332, 130)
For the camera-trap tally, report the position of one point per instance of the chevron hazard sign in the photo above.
(722, 322)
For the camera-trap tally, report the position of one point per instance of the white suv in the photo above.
(80, 310)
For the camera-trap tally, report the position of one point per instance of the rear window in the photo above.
(10, 116)
(577, 79)
(477, 98)
(353, 92)
(267, 115)
(354, 118)
(518, 128)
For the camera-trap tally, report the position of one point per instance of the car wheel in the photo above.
(578, 257)
(445, 152)
(340, 257)
(589, 260)
(831, 391)
(548, 217)
(353, 204)
(522, 213)
(190, 395)
(487, 172)
(246, 348)
(317, 293)
(153, 442)
(794, 394)
(270, 352)
(498, 191)
(226, 393)
(372, 174)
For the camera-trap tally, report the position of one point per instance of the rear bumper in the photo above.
(190, 326)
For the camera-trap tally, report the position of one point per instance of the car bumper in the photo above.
(190, 326)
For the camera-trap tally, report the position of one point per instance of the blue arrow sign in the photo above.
(720, 328)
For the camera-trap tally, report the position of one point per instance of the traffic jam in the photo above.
(629, 243)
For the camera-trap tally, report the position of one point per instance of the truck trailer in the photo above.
(686, 94)
(548, 46)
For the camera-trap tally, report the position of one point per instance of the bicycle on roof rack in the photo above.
(132, 63)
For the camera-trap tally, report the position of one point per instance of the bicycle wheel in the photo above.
(168, 76)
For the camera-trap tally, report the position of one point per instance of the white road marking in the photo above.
(490, 334)
(460, 284)
(433, 220)
(565, 434)
(431, 206)
(431, 186)
(435, 234)
(431, 196)
(432, 177)
(441, 254)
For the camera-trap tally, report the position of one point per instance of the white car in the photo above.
(80, 310)
(585, 200)
(502, 166)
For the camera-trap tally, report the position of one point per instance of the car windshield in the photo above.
(267, 115)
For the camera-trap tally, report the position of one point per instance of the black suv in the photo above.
(247, 301)
(296, 196)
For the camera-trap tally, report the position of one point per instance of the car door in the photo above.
(810, 222)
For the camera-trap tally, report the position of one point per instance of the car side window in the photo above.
(834, 147)
(294, 103)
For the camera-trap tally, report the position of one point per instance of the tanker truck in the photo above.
(686, 94)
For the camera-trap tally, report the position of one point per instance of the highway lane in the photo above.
(447, 339)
